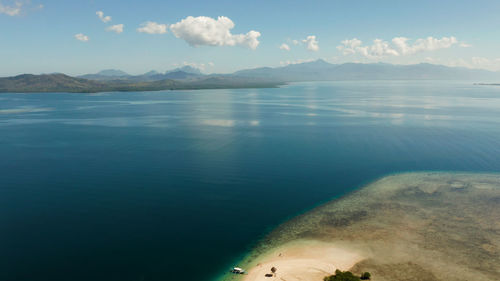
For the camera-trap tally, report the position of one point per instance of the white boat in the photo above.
(237, 270)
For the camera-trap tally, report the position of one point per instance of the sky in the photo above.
(85, 36)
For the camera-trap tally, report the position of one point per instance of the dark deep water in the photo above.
(148, 186)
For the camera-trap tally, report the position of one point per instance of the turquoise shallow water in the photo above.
(144, 186)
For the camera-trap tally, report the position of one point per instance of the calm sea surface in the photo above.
(178, 185)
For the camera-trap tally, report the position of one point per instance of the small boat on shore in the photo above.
(237, 270)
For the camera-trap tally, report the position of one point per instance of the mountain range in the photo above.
(321, 70)
(182, 73)
(188, 77)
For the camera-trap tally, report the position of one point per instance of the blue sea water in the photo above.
(177, 185)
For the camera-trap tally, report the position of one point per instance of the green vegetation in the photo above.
(59, 83)
(346, 276)
(366, 276)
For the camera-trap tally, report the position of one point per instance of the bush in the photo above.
(342, 276)
(366, 276)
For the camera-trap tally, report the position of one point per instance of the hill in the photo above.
(28, 83)
(321, 70)
(49, 83)
(182, 73)
(188, 77)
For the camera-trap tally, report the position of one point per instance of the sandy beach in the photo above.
(412, 227)
(304, 260)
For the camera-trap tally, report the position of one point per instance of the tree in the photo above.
(366, 276)
(273, 270)
(342, 276)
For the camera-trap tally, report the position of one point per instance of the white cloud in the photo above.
(200, 66)
(11, 10)
(480, 60)
(288, 62)
(311, 43)
(379, 48)
(474, 62)
(422, 45)
(206, 31)
(117, 28)
(349, 46)
(103, 18)
(82, 37)
(151, 27)
(399, 46)
(285, 47)
(485, 63)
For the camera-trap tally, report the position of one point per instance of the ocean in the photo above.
(179, 185)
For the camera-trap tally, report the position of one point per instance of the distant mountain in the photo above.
(182, 73)
(186, 69)
(321, 70)
(188, 77)
(151, 73)
(28, 83)
(112, 72)
(107, 74)
(49, 83)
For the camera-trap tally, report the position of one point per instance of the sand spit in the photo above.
(304, 260)
(414, 226)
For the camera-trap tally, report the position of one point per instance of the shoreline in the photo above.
(387, 227)
(309, 259)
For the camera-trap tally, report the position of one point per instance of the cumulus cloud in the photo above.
(151, 27)
(206, 31)
(421, 45)
(285, 47)
(13, 10)
(379, 48)
(399, 46)
(288, 62)
(81, 37)
(349, 46)
(201, 66)
(492, 64)
(485, 63)
(103, 18)
(311, 43)
(117, 28)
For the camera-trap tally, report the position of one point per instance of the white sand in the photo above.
(304, 260)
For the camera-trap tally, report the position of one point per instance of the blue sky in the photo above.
(40, 36)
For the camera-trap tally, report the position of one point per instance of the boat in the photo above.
(237, 270)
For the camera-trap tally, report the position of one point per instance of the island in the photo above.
(411, 226)
(190, 78)
(57, 83)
